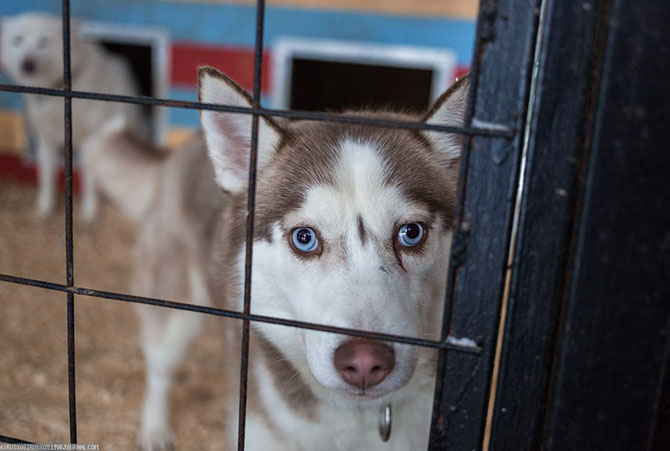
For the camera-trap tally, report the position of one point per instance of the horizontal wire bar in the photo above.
(491, 130)
(451, 343)
(7, 439)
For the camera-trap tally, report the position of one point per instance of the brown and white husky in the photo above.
(352, 229)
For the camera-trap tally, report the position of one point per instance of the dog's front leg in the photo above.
(166, 337)
(46, 182)
(165, 334)
(89, 193)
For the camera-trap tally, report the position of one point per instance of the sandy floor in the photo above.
(109, 366)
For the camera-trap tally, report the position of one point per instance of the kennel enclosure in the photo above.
(559, 267)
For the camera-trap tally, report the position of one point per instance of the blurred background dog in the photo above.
(32, 55)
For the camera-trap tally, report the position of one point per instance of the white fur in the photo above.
(37, 37)
(347, 427)
(171, 262)
(118, 170)
(166, 337)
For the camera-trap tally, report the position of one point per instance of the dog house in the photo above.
(322, 75)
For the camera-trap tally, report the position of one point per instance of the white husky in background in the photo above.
(352, 229)
(32, 55)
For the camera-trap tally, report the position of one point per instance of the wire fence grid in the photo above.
(497, 131)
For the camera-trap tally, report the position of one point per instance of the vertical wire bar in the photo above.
(251, 205)
(69, 260)
(458, 220)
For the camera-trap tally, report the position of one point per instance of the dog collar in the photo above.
(385, 420)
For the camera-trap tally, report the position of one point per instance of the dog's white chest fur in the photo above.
(331, 427)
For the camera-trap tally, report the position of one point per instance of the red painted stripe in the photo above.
(236, 62)
(13, 168)
(461, 70)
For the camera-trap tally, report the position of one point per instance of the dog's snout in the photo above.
(364, 363)
(28, 66)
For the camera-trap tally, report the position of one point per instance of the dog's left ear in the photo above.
(449, 109)
(228, 135)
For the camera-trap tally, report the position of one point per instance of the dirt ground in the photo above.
(109, 366)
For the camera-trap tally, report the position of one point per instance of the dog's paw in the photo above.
(87, 213)
(155, 439)
(86, 218)
(44, 207)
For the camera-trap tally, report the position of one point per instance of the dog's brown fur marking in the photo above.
(287, 380)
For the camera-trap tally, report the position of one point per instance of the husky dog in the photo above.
(177, 216)
(32, 55)
(175, 201)
(352, 229)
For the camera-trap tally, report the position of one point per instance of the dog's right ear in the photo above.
(228, 135)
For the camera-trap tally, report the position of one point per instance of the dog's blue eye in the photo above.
(304, 240)
(411, 235)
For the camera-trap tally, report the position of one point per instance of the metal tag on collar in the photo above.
(385, 420)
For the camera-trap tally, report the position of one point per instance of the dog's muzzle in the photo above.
(28, 66)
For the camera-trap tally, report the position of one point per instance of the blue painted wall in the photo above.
(226, 24)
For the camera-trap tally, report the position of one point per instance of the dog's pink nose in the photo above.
(364, 363)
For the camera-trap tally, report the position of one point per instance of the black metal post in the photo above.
(565, 98)
(612, 353)
(506, 34)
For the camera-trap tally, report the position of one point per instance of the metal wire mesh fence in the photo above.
(491, 130)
